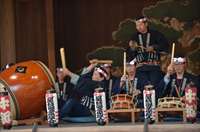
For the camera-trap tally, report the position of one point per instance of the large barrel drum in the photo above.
(27, 83)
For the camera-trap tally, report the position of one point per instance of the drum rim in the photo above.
(47, 71)
(14, 100)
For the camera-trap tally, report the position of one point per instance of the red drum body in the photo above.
(27, 83)
(5, 112)
(122, 101)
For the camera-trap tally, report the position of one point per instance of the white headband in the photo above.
(179, 60)
(102, 72)
(141, 20)
(106, 65)
(133, 62)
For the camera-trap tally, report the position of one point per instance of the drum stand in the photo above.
(124, 112)
(161, 111)
(40, 120)
(172, 106)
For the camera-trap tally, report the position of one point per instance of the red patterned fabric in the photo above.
(5, 111)
(191, 102)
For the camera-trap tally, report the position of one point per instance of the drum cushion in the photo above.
(85, 119)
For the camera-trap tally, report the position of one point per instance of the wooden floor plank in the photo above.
(117, 127)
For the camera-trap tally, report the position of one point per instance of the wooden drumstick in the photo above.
(62, 54)
(124, 63)
(101, 61)
(173, 50)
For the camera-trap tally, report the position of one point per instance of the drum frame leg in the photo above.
(160, 110)
(41, 120)
(133, 113)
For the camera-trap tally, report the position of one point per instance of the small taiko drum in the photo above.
(27, 83)
(171, 102)
(122, 101)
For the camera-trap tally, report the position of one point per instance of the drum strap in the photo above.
(127, 86)
(173, 86)
(147, 40)
(135, 83)
(180, 88)
(61, 90)
(134, 88)
(64, 95)
(146, 56)
(183, 85)
(57, 90)
(110, 91)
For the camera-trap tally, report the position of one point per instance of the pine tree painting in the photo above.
(178, 20)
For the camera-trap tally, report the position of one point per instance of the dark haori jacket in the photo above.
(136, 84)
(108, 89)
(122, 90)
(85, 89)
(152, 38)
(169, 85)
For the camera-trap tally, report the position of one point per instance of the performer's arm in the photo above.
(116, 88)
(170, 71)
(62, 73)
(164, 84)
(74, 78)
(131, 49)
(85, 84)
(89, 68)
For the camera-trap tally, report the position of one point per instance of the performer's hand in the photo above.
(170, 70)
(133, 44)
(62, 73)
(124, 78)
(150, 49)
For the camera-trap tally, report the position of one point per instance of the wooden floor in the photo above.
(112, 127)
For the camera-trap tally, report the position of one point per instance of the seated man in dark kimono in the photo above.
(109, 83)
(177, 78)
(67, 80)
(81, 102)
(63, 73)
(128, 84)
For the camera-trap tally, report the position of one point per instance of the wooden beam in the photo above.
(50, 35)
(7, 32)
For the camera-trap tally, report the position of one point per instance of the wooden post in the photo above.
(50, 35)
(7, 32)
